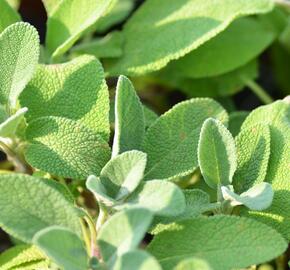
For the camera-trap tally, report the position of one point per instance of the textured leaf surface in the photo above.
(216, 154)
(134, 223)
(29, 205)
(161, 197)
(63, 246)
(9, 127)
(136, 259)
(253, 152)
(70, 20)
(65, 148)
(19, 52)
(61, 90)
(171, 142)
(109, 46)
(236, 120)
(20, 255)
(198, 20)
(193, 264)
(129, 118)
(277, 116)
(219, 240)
(8, 15)
(122, 174)
(235, 46)
(259, 197)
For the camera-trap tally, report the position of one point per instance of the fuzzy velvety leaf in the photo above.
(29, 205)
(277, 116)
(8, 15)
(136, 259)
(19, 52)
(219, 240)
(253, 152)
(259, 197)
(235, 46)
(193, 264)
(134, 223)
(63, 246)
(109, 46)
(236, 120)
(21, 255)
(70, 20)
(161, 197)
(129, 118)
(61, 90)
(122, 174)
(216, 154)
(9, 127)
(198, 20)
(171, 141)
(65, 148)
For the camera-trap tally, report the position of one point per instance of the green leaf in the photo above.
(70, 20)
(62, 246)
(235, 46)
(9, 127)
(150, 116)
(219, 240)
(198, 20)
(171, 142)
(65, 148)
(109, 46)
(8, 15)
(122, 174)
(196, 203)
(253, 152)
(118, 13)
(19, 52)
(20, 255)
(259, 197)
(236, 120)
(193, 264)
(216, 154)
(129, 118)
(222, 85)
(61, 90)
(134, 223)
(29, 205)
(276, 115)
(161, 197)
(136, 259)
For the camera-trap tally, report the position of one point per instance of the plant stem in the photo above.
(93, 234)
(102, 217)
(259, 91)
(86, 236)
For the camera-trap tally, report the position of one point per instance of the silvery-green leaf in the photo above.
(161, 197)
(63, 246)
(123, 232)
(136, 259)
(129, 118)
(259, 197)
(19, 53)
(123, 173)
(9, 127)
(216, 154)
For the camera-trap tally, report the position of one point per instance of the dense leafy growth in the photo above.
(96, 180)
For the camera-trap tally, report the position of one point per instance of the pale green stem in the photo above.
(103, 215)
(86, 236)
(93, 234)
(259, 92)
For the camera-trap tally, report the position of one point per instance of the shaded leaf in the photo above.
(236, 120)
(8, 15)
(65, 148)
(62, 246)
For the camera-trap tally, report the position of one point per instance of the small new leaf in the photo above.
(259, 197)
(216, 154)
